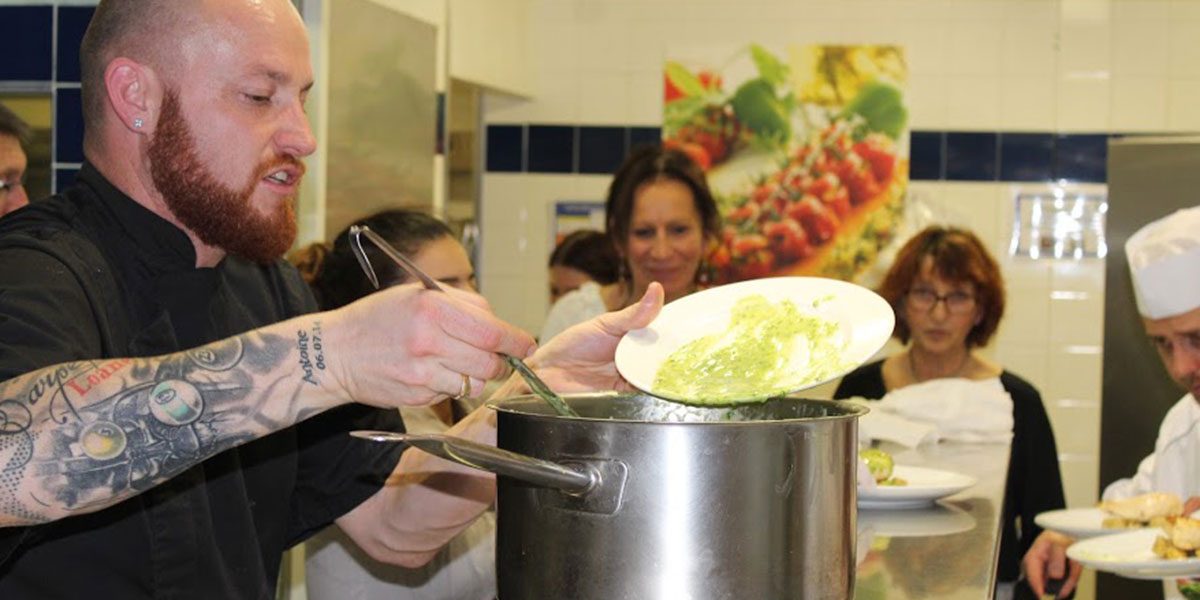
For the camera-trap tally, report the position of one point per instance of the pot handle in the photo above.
(574, 481)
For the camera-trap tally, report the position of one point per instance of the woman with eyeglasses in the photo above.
(948, 295)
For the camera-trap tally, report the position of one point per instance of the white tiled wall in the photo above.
(1011, 65)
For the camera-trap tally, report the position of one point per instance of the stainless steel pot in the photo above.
(640, 498)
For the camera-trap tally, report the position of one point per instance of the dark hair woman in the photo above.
(583, 255)
(661, 218)
(337, 279)
(336, 567)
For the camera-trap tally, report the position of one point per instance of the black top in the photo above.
(1034, 483)
(217, 530)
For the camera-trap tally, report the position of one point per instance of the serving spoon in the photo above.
(357, 232)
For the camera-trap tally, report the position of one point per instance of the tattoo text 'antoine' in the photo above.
(312, 353)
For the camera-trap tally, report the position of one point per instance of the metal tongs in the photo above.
(357, 232)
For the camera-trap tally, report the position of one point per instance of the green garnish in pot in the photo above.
(755, 358)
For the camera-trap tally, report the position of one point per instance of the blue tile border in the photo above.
(26, 43)
(972, 156)
(63, 178)
(28, 33)
(72, 23)
(1026, 156)
(505, 148)
(644, 135)
(68, 126)
(927, 155)
(601, 149)
(1081, 157)
(933, 155)
(552, 149)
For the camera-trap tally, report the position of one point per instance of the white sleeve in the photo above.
(1176, 425)
(1140, 483)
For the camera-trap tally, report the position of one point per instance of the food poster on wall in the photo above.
(805, 149)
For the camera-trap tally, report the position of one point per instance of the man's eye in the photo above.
(258, 98)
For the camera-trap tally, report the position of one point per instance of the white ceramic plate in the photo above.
(1129, 554)
(924, 487)
(1076, 522)
(864, 319)
(1080, 522)
(937, 519)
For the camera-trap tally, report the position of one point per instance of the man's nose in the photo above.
(295, 137)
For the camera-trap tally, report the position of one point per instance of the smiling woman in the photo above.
(948, 296)
(661, 217)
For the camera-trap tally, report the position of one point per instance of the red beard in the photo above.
(220, 216)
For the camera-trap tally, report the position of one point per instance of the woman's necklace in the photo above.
(912, 368)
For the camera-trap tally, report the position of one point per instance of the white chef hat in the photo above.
(1164, 260)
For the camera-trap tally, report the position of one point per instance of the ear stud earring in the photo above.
(137, 123)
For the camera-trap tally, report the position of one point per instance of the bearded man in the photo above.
(172, 418)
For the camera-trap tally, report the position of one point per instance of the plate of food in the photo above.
(912, 487)
(1111, 516)
(1150, 553)
(754, 340)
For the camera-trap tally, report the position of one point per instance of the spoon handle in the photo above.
(539, 387)
(357, 231)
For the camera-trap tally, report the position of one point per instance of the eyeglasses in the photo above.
(926, 299)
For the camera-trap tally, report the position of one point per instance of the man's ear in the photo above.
(134, 92)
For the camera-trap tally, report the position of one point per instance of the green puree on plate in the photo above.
(767, 350)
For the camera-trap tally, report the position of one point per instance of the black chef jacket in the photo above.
(219, 529)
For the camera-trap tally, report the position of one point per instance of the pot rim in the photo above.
(850, 410)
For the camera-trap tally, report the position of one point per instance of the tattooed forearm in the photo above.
(78, 437)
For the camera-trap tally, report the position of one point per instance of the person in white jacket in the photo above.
(1164, 261)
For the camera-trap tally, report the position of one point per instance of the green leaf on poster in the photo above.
(756, 104)
(679, 112)
(882, 106)
(769, 67)
(684, 80)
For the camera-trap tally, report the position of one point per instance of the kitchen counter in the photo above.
(947, 550)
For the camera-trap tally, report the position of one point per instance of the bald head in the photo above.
(153, 33)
